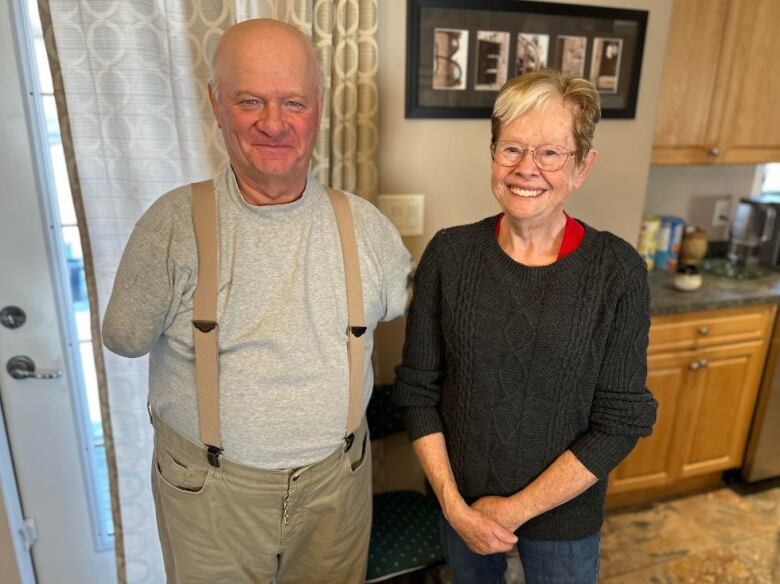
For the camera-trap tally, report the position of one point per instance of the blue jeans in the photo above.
(544, 562)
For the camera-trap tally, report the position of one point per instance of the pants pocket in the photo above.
(190, 479)
(356, 457)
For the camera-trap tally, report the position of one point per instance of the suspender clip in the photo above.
(204, 326)
(213, 455)
(357, 331)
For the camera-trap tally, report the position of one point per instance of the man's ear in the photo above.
(214, 105)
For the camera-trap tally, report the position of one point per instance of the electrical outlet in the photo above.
(721, 212)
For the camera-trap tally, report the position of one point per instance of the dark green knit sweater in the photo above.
(517, 364)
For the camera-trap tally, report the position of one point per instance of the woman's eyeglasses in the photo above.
(548, 158)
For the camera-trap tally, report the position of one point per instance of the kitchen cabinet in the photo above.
(720, 84)
(704, 370)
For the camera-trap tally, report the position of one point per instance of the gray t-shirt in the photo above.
(282, 314)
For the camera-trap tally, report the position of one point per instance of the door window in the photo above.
(75, 292)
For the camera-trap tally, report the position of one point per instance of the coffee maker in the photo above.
(754, 234)
(769, 251)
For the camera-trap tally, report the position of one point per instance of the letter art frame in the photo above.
(460, 52)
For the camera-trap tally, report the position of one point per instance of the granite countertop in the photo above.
(715, 292)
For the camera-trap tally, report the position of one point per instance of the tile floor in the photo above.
(727, 536)
(730, 535)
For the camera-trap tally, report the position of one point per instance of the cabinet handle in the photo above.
(714, 151)
(704, 330)
(695, 365)
(704, 363)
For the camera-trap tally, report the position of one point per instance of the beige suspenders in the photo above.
(356, 324)
(204, 315)
(205, 331)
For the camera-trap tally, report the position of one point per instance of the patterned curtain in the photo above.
(130, 85)
(344, 32)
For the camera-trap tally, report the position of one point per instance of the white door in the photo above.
(41, 415)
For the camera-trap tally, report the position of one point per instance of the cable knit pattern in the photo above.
(517, 364)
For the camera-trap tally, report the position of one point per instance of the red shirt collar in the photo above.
(573, 234)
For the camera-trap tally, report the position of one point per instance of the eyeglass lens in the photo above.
(548, 157)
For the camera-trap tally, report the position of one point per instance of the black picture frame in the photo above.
(459, 52)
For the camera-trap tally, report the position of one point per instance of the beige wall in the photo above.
(448, 160)
(688, 192)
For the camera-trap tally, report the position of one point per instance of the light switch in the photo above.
(406, 212)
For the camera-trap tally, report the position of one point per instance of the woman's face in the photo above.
(525, 192)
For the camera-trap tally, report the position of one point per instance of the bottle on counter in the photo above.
(670, 235)
(693, 247)
(648, 240)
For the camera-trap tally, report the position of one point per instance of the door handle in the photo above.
(22, 367)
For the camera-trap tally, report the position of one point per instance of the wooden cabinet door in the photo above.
(690, 81)
(750, 130)
(652, 462)
(718, 407)
(704, 369)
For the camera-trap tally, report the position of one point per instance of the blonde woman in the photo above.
(523, 373)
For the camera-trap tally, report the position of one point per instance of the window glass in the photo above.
(771, 183)
(76, 290)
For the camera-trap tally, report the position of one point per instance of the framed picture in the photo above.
(532, 52)
(460, 52)
(450, 50)
(605, 64)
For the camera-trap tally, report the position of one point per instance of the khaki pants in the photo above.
(237, 524)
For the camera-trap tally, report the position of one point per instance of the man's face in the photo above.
(267, 105)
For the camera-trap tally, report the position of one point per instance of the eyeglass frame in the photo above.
(525, 151)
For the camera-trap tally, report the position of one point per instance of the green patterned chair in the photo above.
(405, 527)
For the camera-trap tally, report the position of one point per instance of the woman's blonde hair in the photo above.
(527, 91)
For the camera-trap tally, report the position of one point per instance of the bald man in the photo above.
(281, 491)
